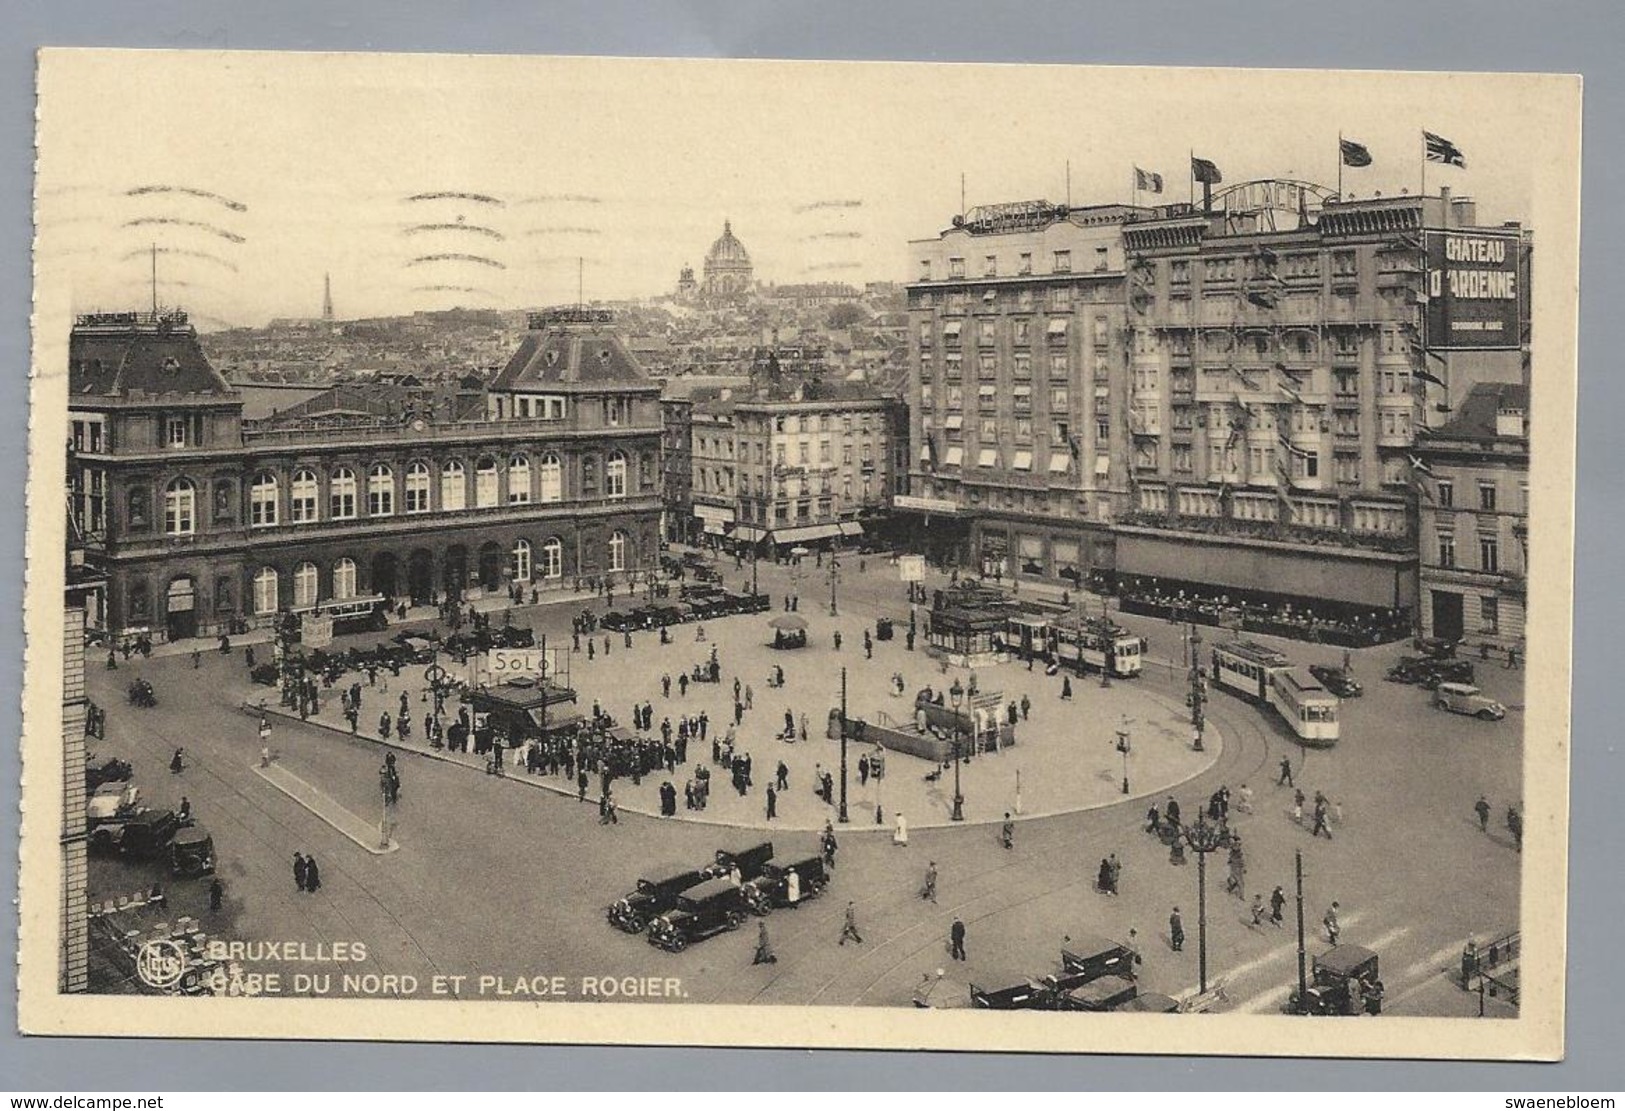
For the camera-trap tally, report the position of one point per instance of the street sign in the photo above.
(911, 568)
(316, 632)
(508, 663)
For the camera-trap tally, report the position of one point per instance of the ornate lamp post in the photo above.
(842, 813)
(1198, 690)
(1123, 747)
(834, 577)
(1203, 839)
(956, 695)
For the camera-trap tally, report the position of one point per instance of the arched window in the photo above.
(518, 480)
(262, 500)
(302, 498)
(615, 475)
(265, 591)
(453, 486)
(341, 495)
(344, 579)
(180, 508)
(417, 488)
(552, 478)
(617, 551)
(552, 558)
(519, 568)
(485, 482)
(380, 491)
(306, 586)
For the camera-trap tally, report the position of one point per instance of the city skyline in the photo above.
(463, 203)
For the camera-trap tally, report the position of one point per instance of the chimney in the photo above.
(1463, 212)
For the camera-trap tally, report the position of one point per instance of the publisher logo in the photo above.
(160, 964)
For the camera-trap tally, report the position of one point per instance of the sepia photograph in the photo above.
(806, 553)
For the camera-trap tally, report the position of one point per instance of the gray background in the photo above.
(1389, 34)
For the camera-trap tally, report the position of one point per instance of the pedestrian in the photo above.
(829, 846)
(1482, 809)
(176, 763)
(1153, 820)
(1277, 906)
(301, 870)
(929, 891)
(682, 684)
(217, 893)
(1320, 820)
(581, 785)
(849, 928)
(1515, 826)
(1007, 832)
(1286, 773)
(313, 875)
(1026, 707)
(185, 811)
(764, 947)
(1258, 910)
(956, 939)
(836, 639)
(900, 831)
(772, 803)
(1333, 927)
(750, 698)
(1115, 868)
(1171, 809)
(1103, 879)
(1066, 688)
(197, 659)
(1176, 931)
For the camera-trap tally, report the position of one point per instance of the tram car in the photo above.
(1097, 644)
(1267, 677)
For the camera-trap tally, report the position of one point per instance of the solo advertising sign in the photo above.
(1473, 291)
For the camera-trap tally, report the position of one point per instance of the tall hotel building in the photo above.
(1220, 400)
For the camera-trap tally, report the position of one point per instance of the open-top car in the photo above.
(701, 912)
(773, 886)
(1090, 956)
(1336, 680)
(633, 912)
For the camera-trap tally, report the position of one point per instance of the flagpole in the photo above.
(1192, 162)
(1339, 165)
(1424, 177)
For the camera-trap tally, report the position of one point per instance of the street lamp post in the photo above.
(841, 814)
(1203, 839)
(1198, 691)
(1123, 747)
(956, 694)
(834, 576)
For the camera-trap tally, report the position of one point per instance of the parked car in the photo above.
(98, 772)
(1437, 648)
(1023, 995)
(1104, 993)
(749, 862)
(191, 853)
(701, 912)
(1464, 698)
(1336, 680)
(635, 911)
(142, 835)
(1089, 957)
(771, 888)
(1429, 672)
(112, 802)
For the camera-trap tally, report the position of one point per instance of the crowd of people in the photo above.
(1330, 623)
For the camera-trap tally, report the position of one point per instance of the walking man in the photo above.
(849, 928)
(1482, 809)
(1286, 773)
(772, 803)
(1258, 910)
(929, 891)
(1320, 819)
(764, 947)
(1333, 926)
(300, 870)
(956, 938)
(1176, 931)
(1277, 906)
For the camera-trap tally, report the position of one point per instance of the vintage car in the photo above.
(634, 912)
(141, 835)
(1464, 698)
(617, 621)
(771, 887)
(1090, 956)
(1336, 680)
(1437, 648)
(1429, 673)
(1023, 993)
(112, 770)
(1103, 993)
(749, 862)
(701, 911)
(191, 853)
(1344, 982)
(112, 802)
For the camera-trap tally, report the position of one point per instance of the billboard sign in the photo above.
(1473, 294)
(508, 663)
(911, 568)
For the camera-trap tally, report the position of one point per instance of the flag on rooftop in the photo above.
(1353, 154)
(1440, 149)
(1205, 172)
(1146, 181)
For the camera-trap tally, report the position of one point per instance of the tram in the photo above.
(1264, 676)
(1097, 644)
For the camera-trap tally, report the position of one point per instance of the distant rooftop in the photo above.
(123, 354)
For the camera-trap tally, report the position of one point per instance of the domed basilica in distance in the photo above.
(728, 273)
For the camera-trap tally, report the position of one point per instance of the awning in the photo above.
(1024, 461)
(954, 422)
(804, 533)
(721, 514)
(1058, 327)
(749, 533)
(851, 528)
(988, 457)
(1103, 465)
(956, 456)
(1059, 461)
